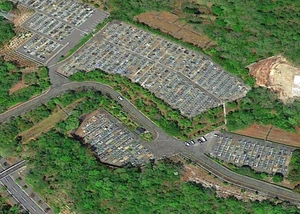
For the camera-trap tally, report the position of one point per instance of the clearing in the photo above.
(192, 173)
(46, 124)
(173, 25)
(17, 87)
(275, 135)
(277, 74)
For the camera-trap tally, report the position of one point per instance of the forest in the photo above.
(59, 167)
(262, 106)
(6, 28)
(6, 208)
(294, 167)
(6, 6)
(35, 83)
(62, 168)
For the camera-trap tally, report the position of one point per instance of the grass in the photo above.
(147, 136)
(46, 124)
(84, 39)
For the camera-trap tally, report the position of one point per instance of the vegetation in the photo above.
(6, 6)
(126, 10)
(277, 178)
(10, 143)
(294, 167)
(82, 41)
(261, 106)
(247, 31)
(170, 120)
(6, 208)
(62, 169)
(6, 31)
(147, 136)
(248, 171)
(35, 83)
(64, 172)
(240, 33)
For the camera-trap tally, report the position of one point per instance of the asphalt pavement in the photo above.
(16, 191)
(162, 146)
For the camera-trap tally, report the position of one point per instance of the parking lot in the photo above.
(58, 22)
(111, 141)
(260, 155)
(183, 78)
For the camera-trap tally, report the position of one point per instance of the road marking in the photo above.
(33, 208)
(14, 189)
(23, 198)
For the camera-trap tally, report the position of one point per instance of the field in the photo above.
(275, 135)
(46, 124)
(172, 24)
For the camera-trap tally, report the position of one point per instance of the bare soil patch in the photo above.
(170, 24)
(255, 130)
(17, 87)
(288, 138)
(275, 135)
(193, 173)
(276, 74)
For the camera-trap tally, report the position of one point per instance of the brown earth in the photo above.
(276, 135)
(16, 87)
(170, 24)
(193, 173)
(276, 74)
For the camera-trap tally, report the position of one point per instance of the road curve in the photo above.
(244, 181)
(164, 145)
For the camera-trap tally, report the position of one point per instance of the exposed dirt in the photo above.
(288, 138)
(169, 23)
(275, 135)
(198, 175)
(276, 74)
(255, 130)
(16, 87)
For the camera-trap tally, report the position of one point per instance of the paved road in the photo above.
(163, 145)
(16, 191)
(11, 169)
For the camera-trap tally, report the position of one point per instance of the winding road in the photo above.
(162, 146)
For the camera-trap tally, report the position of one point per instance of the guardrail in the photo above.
(12, 168)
